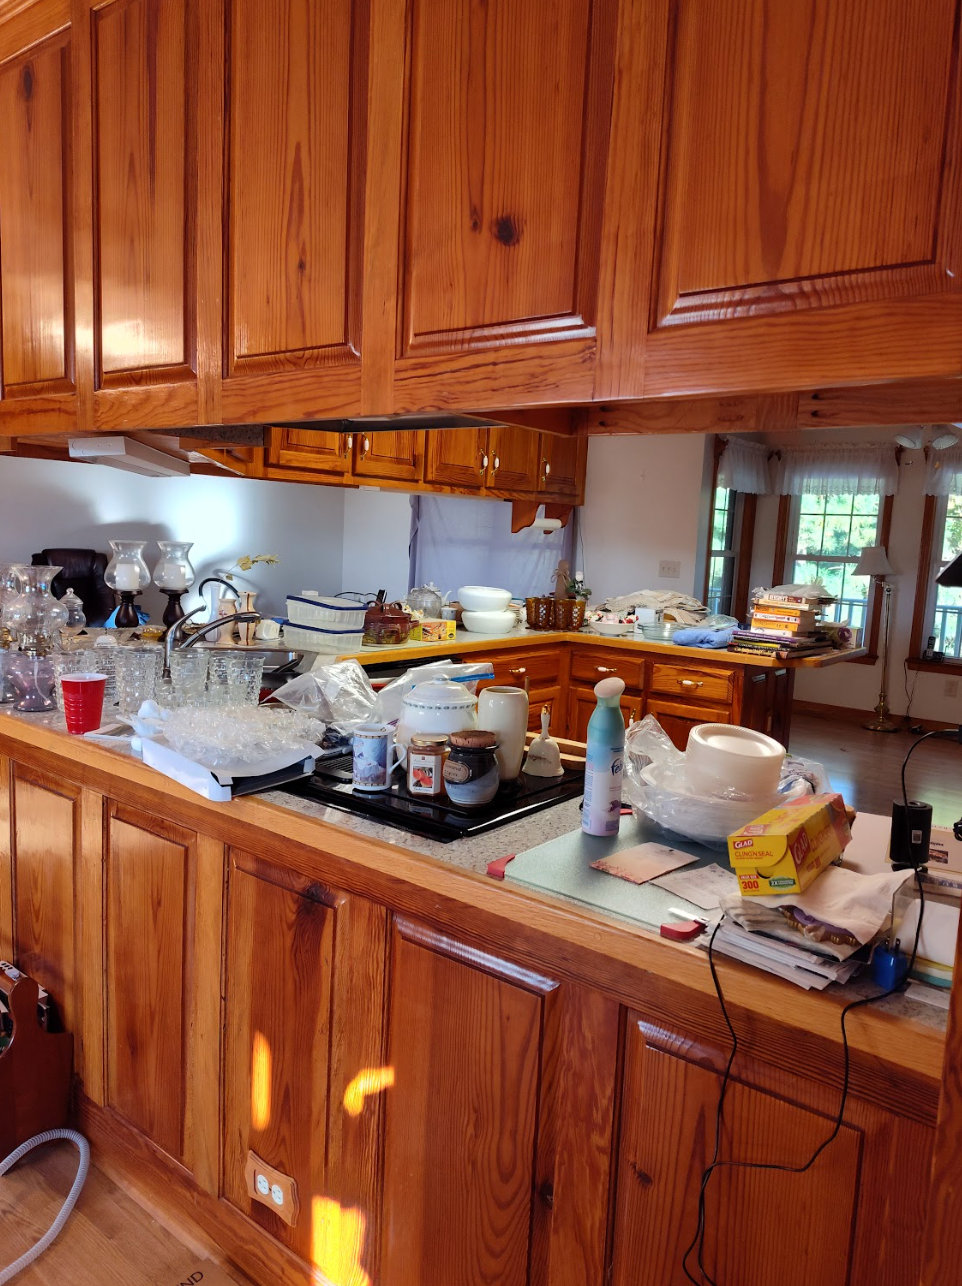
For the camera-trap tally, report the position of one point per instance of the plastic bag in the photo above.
(718, 621)
(391, 696)
(340, 694)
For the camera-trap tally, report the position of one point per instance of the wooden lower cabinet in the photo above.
(581, 706)
(839, 1223)
(314, 450)
(678, 719)
(498, 1128)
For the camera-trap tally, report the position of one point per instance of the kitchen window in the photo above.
(723, 550)
(938, 608)
(827, 535)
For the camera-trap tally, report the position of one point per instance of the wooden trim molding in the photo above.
(743, 559)
(922, 588)
(781, 539)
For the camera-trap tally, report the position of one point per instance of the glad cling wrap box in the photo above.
(786, 848)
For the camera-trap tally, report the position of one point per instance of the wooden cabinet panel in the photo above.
(589, 665)
(144, 198)
(45, 863)
(533, 666)
(563, 463)
(667, 1133)
(678, 719)
(513, 459)
(499, 1123)
(456, 457)
(694, 684)
(317, 450)
(581, 706)
(389, 454)
(816, 196)
(293, 200)
(150, 875)
(304, 986)
(36, 288)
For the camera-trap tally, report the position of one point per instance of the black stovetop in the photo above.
(435, 819)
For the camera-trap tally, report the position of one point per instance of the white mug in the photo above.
(267, 629)
(376, 755)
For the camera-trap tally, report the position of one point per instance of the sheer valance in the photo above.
(828, 470)
(743, 466)
(943, 472)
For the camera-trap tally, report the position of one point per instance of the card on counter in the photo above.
(642, 863)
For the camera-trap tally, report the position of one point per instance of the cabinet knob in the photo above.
(605, 669)
(691, 683)
(519, 669)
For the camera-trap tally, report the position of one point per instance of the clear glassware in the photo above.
(127, 574)
(174, 573)
(234, 680)
(188, 674)
(138, 674)
(33, 616)
(76, 619)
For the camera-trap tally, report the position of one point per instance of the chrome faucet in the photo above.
(174, 639)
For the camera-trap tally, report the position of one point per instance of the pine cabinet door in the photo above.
(456, 458)
(513, 459)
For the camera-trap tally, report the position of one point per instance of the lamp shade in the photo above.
(874, 562)
(951, 576)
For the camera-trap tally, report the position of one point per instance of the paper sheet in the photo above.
(703, 886)
(936, 996)
(643, 862)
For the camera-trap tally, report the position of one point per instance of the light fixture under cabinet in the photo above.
(119, 452)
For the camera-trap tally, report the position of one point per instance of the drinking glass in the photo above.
(138, 673)
(188, 674)
(78, 661)
(234, 680)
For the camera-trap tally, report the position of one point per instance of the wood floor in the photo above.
(109, 1238)
(866, 766)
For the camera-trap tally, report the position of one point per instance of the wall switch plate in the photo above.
(951, 687)
(669, 570)
(272, 1188)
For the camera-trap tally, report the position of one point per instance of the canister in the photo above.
(426, 755)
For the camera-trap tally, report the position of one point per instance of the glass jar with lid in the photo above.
(470, 771)
(426, 755)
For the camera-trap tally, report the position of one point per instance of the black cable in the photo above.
(941, 732)
(699, 1238)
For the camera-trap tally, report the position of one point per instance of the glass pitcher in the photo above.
(33, 616)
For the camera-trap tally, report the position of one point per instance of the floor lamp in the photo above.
(874, 562)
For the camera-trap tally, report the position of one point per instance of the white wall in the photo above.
(377, 533)
(646, 500)
(45, 503)
(856, 686)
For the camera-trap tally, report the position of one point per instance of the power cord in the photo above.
(698, 1241)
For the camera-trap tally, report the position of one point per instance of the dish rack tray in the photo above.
(35, 1067)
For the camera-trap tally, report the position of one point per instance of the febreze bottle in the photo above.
(605, 762)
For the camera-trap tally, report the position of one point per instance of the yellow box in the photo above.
(786, 848)
(433, 631)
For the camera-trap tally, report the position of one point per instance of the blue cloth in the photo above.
(111, 621)
(695, 636)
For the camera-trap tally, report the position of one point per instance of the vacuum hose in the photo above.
(8, 1274)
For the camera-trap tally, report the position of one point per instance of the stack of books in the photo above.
(783, 626)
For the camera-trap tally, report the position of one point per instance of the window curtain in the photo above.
(825, 470)
(461, 541)
(943, 472)
(743, 466)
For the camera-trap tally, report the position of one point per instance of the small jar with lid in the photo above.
(471, 775)
(425, 762)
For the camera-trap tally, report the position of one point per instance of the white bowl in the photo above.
(489, 622)
(610, 629)
(724, 757)
(483, 598)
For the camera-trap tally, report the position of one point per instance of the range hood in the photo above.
(129, 455)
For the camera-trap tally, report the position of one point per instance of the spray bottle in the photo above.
(604, 766)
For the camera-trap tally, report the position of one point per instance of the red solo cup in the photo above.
(83, 701)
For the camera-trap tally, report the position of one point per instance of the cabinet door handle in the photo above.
(545, 470)
(484, 463)
(518, 670)
(365, 446)
(496, 465)
(692, 683)
(348, 440)
(605, 669)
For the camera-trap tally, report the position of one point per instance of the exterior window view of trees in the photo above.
(945, 607)
(722, 554)
(829, 535)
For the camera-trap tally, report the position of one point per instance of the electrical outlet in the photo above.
(951, 687)
(272, 1188)
(669, 570)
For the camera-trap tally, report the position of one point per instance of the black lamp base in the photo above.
(127, 618)
(173, 612)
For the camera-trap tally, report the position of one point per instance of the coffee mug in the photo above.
(267, 629)
(376, 755)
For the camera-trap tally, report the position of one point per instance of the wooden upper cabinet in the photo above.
(294, 161)
(456, 457)
(36, 288)
(395, 455)
(144, 132)
(562, 465)
(810, 218)
(513, 459)
(316, 450)
(506, 138)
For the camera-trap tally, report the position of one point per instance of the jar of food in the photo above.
(470, 772)
(426, 755)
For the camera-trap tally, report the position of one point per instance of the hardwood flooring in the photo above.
(109, 1238)
(865, 767)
